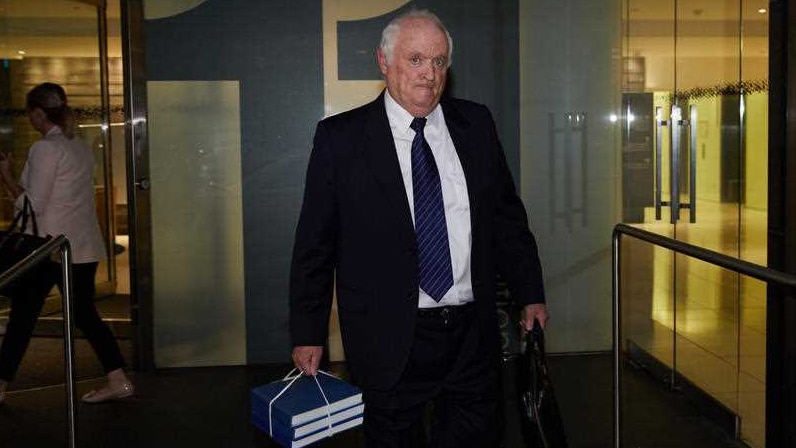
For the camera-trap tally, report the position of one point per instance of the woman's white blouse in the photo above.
(58, 178)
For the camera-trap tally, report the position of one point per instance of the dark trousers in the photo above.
(447, 397)
(27, 304)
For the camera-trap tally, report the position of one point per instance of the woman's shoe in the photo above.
(109, 393)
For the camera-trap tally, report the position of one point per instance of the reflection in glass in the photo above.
(709, 167)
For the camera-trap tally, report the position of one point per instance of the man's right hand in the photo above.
(307, 358)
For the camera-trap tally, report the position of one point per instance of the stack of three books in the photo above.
(295, 413)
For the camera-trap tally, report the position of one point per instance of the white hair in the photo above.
(391, 31)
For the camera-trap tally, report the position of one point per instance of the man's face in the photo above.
(419, 67)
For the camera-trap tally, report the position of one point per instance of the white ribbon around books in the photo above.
(292, 379)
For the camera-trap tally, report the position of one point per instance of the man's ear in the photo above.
(382, 60)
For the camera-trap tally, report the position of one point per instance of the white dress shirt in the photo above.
(454, 194)
(58, 178)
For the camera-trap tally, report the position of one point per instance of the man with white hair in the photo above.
(410, 212)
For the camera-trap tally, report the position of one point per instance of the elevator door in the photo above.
(695, 95)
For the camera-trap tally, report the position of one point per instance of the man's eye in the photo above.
(415, 60)
(439, 62)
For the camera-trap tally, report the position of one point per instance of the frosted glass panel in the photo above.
(197, 230)
(569, 84)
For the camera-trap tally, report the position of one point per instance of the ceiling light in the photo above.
(762, 10)
(21, 52)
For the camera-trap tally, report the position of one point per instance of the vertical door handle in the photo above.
(674, 164)
(692, 123)
(659, 124)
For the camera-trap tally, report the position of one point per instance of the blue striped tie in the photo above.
(436, 274)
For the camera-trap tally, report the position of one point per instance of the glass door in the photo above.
(65, 42)
(694, 147)
(705, 128)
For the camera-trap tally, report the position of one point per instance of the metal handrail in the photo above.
(60, 243)
(734, 264)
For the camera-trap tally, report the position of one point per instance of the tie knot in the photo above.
(418, 124)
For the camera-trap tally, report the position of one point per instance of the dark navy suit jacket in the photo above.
(355, 234)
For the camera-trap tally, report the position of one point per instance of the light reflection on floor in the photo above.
(718, 316)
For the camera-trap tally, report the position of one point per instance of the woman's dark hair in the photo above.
(51, 98)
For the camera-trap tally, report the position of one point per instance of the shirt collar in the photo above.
(400, 119)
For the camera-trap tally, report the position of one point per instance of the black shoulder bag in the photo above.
(15, 245)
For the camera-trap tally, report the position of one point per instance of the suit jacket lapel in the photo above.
(379, 150)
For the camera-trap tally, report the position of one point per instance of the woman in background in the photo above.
(58, 181)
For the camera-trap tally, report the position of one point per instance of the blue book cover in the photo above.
(293, 433)
(286, 441)
(303, 401)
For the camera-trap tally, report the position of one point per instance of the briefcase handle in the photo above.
(536, 337)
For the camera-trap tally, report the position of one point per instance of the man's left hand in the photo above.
(534, 311)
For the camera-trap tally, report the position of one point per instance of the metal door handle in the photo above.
(674, 163)
(142, 184)
(692, 163)
(660, 123)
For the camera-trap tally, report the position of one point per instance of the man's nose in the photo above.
(429, 72)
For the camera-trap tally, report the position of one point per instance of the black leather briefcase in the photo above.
(540, 418)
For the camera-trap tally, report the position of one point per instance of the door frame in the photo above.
(781, 318)
(138, 198)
